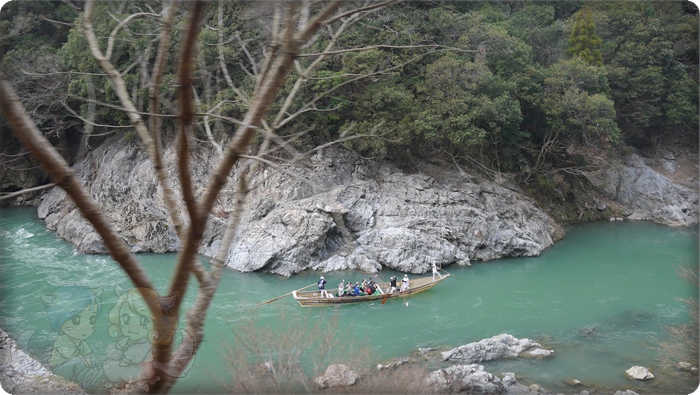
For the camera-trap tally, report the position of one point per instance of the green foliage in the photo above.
(593, 75)
(131, 136)
(651, 53)
(464, 102)
(536, 24)
(28, 42)
(584, 43)
(576, 106)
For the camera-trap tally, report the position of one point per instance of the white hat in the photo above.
(321, 277)
(405, 275)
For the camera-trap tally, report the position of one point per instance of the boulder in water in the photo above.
(639, 373)
(501, 346)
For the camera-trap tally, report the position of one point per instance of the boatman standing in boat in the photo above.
(322, 287)
(435, 271)
(404, 283)
(392, 282)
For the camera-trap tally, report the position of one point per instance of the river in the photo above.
(600, 298)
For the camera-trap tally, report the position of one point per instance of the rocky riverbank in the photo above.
(22, 374)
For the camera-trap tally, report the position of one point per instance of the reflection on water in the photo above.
(599, 298)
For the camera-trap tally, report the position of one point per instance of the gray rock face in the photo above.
(122, 181)
(341, 212)
(381, 217)
(21, 174)
(625, 392)
(500, 346)
(471, 379)
(22, 374)
(515, 388)
(337, 375)
(648, 195)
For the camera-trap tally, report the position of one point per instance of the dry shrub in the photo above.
(286, 358)
(405, 379)
(683, 343)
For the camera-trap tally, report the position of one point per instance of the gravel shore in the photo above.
(22, 374)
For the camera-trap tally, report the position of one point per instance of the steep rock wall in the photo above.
(337, 212)
(375, 216)
(644, 193)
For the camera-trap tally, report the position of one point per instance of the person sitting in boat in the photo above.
(349, 288)
(356, 290)
(392, 283)
(435, 271)
(369, 288)
(322, 287)
(376, 287)
(404, 283)
(341, 288)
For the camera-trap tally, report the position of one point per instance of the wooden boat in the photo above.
(313, 298)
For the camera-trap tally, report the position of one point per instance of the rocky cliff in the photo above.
(338, 211)
(367, 215)
(656, 189)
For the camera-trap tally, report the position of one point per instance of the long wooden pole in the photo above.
(287, 294)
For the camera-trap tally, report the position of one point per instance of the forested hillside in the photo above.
(541, 91)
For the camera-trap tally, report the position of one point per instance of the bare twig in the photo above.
(134, 116)
(342, 51)
(28, 190)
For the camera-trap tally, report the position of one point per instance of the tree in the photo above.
(294, 26)
(536, 24)
(584, 43)
(580, 118)
(29, 41)
(651, 54)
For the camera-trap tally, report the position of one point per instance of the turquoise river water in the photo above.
(600, 298)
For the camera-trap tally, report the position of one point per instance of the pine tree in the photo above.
(584, 42)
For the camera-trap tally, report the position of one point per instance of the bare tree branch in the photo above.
(342, 51)
(187, 257)
(91, 124)
(122, 23)
(186, 111)
(28, 190)
(293, 29)
(370, 7)
(222, 60)
(154, 94)
(35, 142)
(134, 116)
